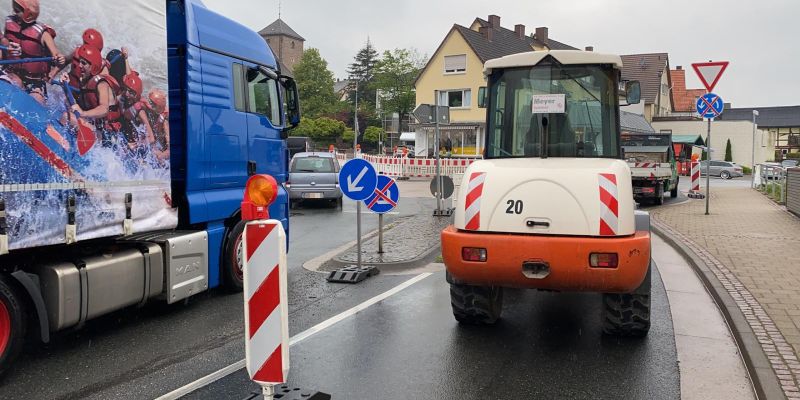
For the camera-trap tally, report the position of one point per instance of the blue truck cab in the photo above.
(230, 109)
(227, 120)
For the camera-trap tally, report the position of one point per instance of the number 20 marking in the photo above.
(514, 207)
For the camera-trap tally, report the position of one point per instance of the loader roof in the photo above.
(566, 57)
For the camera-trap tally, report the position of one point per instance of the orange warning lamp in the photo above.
(259, 192)
(695, 157)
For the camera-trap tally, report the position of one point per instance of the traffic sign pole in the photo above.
(708, 165)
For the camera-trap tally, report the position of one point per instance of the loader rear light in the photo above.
(473, 254)
(648, 190)
(603, 260)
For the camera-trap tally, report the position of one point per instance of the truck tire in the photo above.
(659, 200)
(674, 192)
(233, 259)
(628, 314)
(476, 305)
(12, 324)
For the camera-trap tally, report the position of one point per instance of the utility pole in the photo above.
(753, 162)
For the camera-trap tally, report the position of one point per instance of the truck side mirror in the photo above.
(633, 92)
(292, 102)
(482, 97)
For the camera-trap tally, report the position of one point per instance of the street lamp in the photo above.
(753, 161)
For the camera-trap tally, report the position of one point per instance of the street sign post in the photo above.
(357, 180)
(709, 106)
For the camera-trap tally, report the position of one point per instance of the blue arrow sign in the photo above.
(709, 105)
(385, 196)
(358, 179)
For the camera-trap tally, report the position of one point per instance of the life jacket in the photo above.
(89, 99)
(29, 37)
(129, 119)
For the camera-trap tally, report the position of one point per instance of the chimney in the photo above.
(494, 21)
(487, 32)
(541, 34)
(589, 48)
(519, 29)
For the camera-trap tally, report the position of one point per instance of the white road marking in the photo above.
(217, 375)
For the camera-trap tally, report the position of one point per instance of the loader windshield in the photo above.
(553, 110)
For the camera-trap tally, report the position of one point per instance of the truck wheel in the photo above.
(674, 192)
(12, 325)
(477, 305)
(233, 259)
(628, 314)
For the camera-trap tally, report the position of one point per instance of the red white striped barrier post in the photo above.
(695, 176)
(266, 310)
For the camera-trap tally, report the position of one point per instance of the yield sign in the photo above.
(710, 72)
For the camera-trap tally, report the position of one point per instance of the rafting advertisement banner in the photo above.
(83, 120)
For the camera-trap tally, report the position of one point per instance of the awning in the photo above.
(408, 136)
(688, 139)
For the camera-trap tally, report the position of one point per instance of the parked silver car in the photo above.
(314, 176)
(722, 169)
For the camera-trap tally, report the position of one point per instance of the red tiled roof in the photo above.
(683, 98)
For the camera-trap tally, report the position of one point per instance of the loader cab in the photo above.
(556, 104)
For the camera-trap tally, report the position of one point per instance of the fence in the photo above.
(413, 167)
(793, 190)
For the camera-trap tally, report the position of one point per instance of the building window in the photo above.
(455, 64)
(292, 43)
(461, 98)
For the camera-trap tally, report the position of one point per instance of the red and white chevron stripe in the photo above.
(609, 206)
(645, 165)
(695, 176)
(266, 311)
(472, 205)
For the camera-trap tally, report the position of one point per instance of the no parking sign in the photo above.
(385, 196)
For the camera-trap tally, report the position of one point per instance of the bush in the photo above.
(777, 192)
(747, 170)
(793, 155)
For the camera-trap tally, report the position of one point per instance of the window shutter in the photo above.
(455, 63)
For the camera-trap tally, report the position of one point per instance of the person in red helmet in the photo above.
(91, 37)
(158, 116)
(135, 124)
(96, 100)
(34, 40)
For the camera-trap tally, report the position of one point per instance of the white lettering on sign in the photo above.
(548, 103)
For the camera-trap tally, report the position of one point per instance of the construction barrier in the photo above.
(695, 176)
(413, 167)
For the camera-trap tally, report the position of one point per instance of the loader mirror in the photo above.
(633, 92)
(482, 97)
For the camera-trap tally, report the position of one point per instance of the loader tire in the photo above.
(12, 325)
(628, 314)
(476, 305)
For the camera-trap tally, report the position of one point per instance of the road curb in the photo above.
(762, 376)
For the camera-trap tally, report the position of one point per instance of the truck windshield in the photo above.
(553, 111)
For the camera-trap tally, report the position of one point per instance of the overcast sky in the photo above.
(759, 38)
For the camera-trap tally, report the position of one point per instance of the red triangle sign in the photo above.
(710, 72)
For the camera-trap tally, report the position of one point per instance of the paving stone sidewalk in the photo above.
(753, 247)
(408, 239)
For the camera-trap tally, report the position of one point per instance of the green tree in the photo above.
(728, 152)
(362, 70)
(315, 84)
(347, 136)
(394, 77)
(373, 134)
(320, 129)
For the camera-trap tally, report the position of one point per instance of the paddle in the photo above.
(86, 136)
(26, 60)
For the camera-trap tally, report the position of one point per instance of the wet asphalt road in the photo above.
(408, 346)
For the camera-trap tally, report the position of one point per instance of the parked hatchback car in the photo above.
(722, 169)
(791, 163)
(314, 176)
